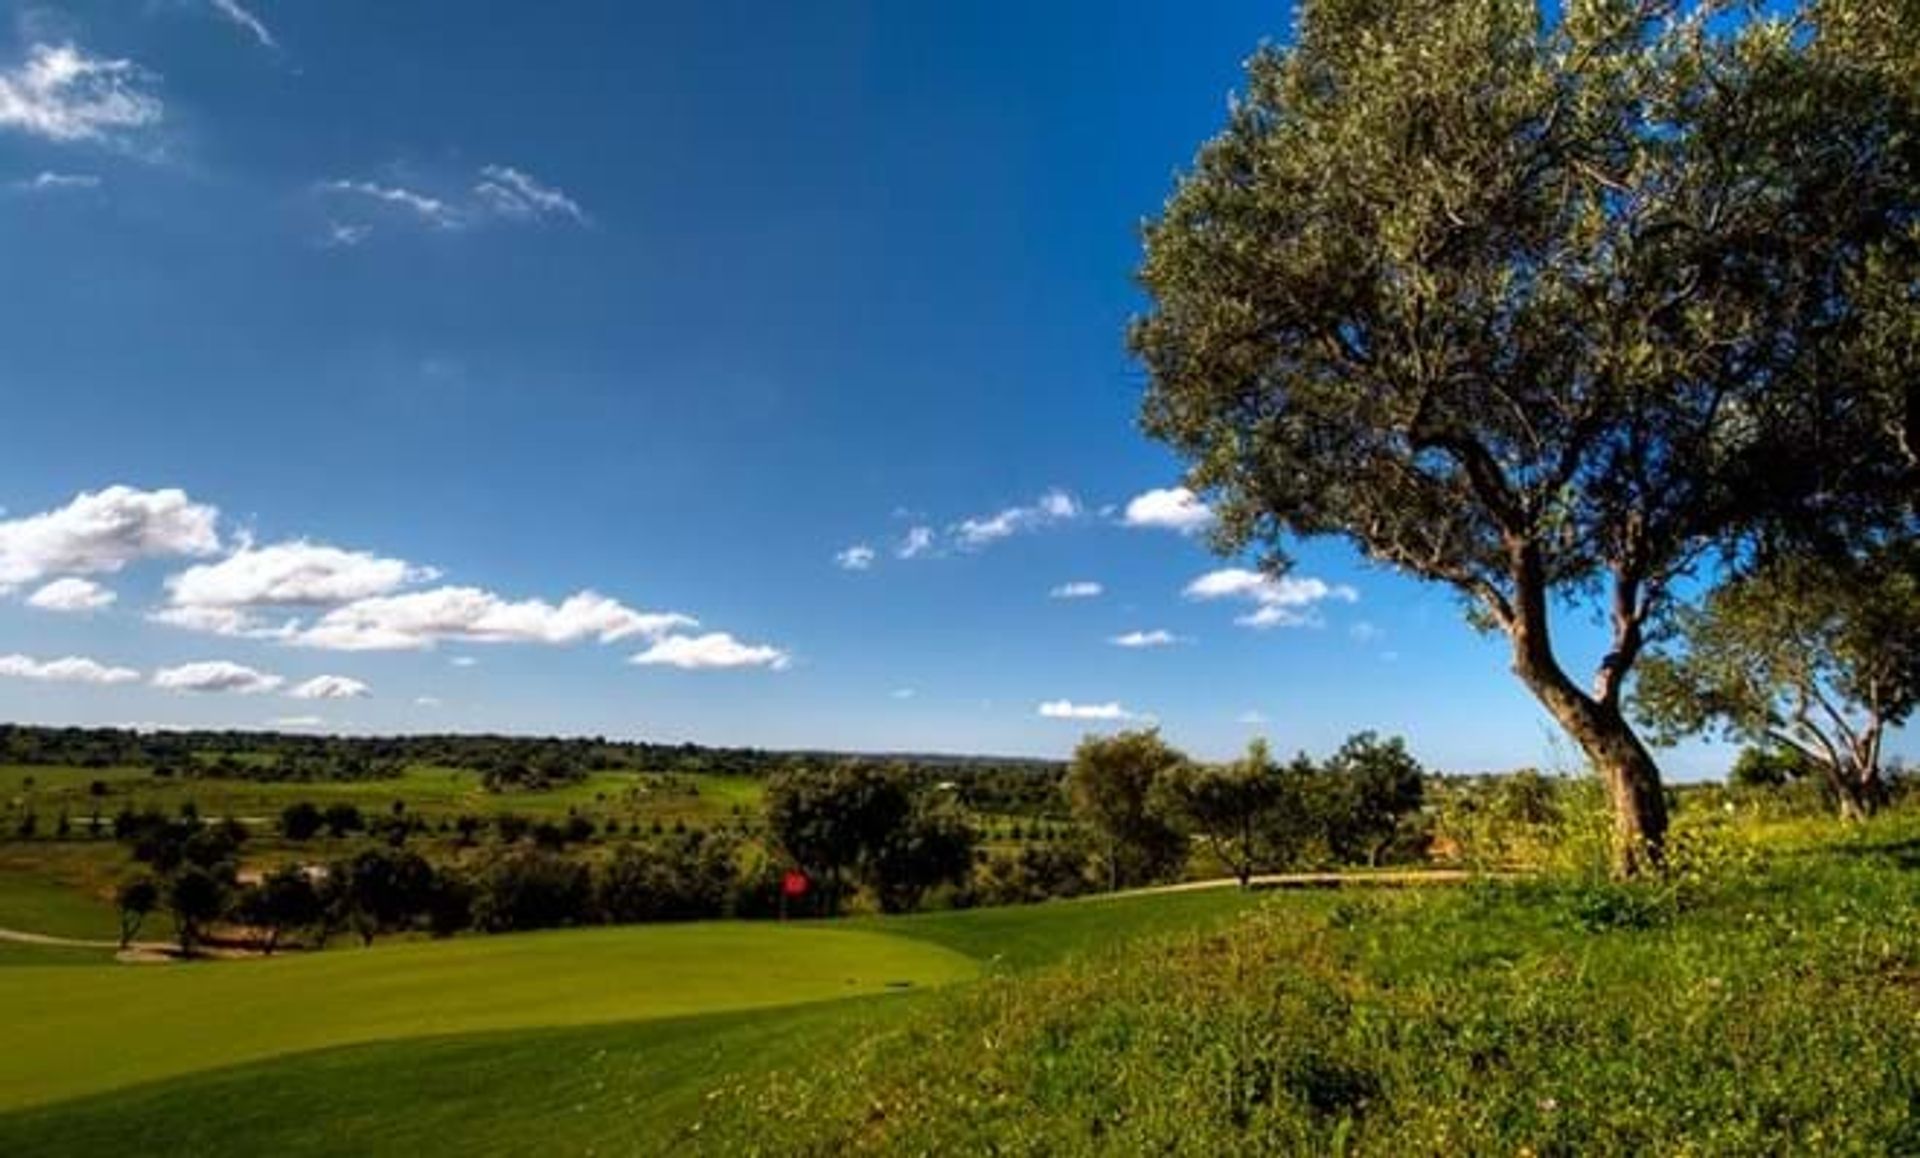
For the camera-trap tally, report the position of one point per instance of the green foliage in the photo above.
(1110, 786)
(860, 824)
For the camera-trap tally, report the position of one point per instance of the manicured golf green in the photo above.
(73, 1031)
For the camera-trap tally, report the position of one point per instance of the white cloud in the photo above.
(1144, 639)
(1281, 601)
(47, 181)
(427, 701)
(1251, 718)
(431, 209)
(245, 20)
(512, 193)
(71, 670)
(902, 693)
(70, 594)
(858, 557)
(345, 235)
(330, 687)
(918, 541)
(297, 573)
(103, 532)
(1078, 589)
(1067, 710)
(216, 676)
(1055, 506)
(1366, 632)
(713, 650)
(61, 94)
(1173, 508)
(464, 661)
(420, 619)
(230, 621)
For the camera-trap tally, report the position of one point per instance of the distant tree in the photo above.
(342, 819)
(1547, 301)
(1375, 784)
(1769, 766)
(1110, 785)
(532, 888)
(284, 899)
(195, 897)
(932, 846)
(1233, 808)
(384, 891)
(831, 822)
(301, 821)
(1818, 655)
(136, 899)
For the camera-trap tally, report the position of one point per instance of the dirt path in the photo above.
(1387, 879)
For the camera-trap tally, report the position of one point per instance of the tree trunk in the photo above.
(1595, 722)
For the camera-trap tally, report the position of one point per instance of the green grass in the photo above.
(63, 891)
(1765, 1000)
(1023, 936)
(426, 790)
(77, 1031)
(12, 953)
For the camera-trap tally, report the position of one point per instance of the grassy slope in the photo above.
(611, 1088)
(1768, 1001)
(74, 1031)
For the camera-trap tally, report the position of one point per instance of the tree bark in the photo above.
(1594, 721)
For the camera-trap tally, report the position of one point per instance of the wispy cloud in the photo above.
(1280, 601)
(47, 181)
(59, 93)
(512, 193)
(1055, 506)
(1068, 710)
(71, 670)
(918, 541)
(427, 208)
(246, 21)
(858, 557)
(1145, 639)
(1078, 589)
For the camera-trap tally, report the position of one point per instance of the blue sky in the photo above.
(404, 324)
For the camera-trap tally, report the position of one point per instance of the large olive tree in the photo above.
(1550, 306)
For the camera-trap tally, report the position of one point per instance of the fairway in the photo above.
(77, 1030)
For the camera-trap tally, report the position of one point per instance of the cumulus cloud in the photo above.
(1056, 506)
(246, 21)
(420, 619)
(1068, 710)
(71, 595)
(1171, 508)
(60, 93)
(858, 557)
(1280, 601)
(1078, 589)
(713, 650)
(1144, 639)
(298, 573)
(918, 542)
(216, 676)
(512, 193)
(47, 181)
(72, 669)
(330, 687)
(104, 531)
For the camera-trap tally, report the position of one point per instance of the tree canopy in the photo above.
(1549, 306)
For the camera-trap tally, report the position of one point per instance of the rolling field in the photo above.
(577, 1041)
